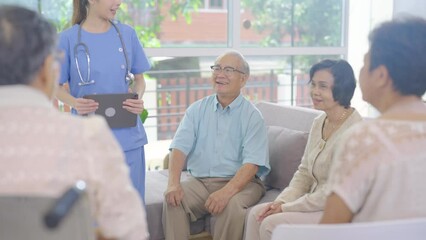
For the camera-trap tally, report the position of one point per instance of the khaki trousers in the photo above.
(263, 230)
(229, 224)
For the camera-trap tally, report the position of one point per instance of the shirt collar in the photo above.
(23, 95)
(234, 104)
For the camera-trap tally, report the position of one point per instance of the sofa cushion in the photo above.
(286, 147)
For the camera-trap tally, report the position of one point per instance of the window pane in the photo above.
(216, 4)
(58, 11)
(288, 79)
(175, 83)
(32, 4)
(176, 23)
(281, 23)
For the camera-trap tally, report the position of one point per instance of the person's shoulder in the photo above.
(353, 119)
(69, 31)
(356, 116)
(361, 129)
(95, 125)
(245, 103)
(124, 28)
(357, 135)
(201, 104)
(250, 110)
(359, 145)
(208, 100)
(68, 36)
(396, 129)
(88, 126)
(320, 118)
(251, 106)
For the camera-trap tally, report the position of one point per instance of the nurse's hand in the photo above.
(84, 106)
(134, 105)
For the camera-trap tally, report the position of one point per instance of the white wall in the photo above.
(412, 7)
(364, 15)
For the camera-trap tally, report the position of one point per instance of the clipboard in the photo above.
(111, 108)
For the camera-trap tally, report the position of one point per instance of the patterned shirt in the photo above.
(43, 152)
(380, 170)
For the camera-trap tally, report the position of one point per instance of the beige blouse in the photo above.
(307, 189)
(379, 170)
(43, 151)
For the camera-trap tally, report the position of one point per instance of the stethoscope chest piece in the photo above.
(130, 78)
(84, 83)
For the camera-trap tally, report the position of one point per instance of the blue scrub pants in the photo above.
(135, 159)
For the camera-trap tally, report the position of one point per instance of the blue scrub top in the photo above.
(107, 69)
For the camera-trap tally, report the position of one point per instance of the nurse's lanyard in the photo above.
(129, 77)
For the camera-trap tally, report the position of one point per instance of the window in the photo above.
(281, 39)
(33, 4)
(294, 23)
(219, 4)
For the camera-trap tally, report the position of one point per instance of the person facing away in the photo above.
(102, 56)
(332, 85)
(379, 169)
(223, 139)
(42, 151)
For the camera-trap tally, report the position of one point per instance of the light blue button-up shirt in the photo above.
(218, 141)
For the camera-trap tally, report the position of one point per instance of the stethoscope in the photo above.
(129, 78)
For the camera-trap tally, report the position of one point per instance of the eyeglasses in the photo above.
(227, 70)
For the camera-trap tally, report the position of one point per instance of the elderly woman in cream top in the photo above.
(332, 87)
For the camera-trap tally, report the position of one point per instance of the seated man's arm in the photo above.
(218, 200)
(174, 192)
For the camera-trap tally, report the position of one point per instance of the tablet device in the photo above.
(111, 108)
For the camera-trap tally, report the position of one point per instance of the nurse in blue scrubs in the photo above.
(105, 56)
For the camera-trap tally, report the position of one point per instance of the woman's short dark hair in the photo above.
(400, 46)
(344, 79)
(26, 39)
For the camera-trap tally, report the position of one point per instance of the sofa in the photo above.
(288, 129)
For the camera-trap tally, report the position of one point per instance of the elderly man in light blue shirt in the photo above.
(223, 139)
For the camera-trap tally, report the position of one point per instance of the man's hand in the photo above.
(85, 106)
(134, 105)
(271, 208)
(174, 195)
(217, 201)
